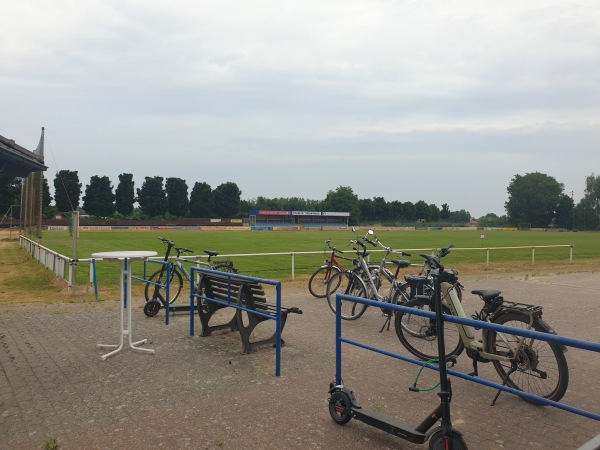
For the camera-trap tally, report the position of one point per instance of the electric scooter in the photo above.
(343, 405)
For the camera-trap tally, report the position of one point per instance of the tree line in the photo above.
(534, 199)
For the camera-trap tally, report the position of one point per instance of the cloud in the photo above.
(319, 91)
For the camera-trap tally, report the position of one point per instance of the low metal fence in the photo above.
(63, 266)
(560, 340)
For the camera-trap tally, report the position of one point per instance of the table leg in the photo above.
(125, 296)
(129, 326)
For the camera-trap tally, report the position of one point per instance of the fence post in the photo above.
(487, 259)
(571, 255)
(532, 256)
(293, 264)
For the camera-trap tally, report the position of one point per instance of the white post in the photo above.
(293, 257)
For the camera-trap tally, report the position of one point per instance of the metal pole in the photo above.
(75, 225)
(293, 260)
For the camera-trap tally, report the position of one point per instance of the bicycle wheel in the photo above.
(154, 292)
(226, 267)
(541, 367)
(317, 285)
(419, 334)
(350, 284)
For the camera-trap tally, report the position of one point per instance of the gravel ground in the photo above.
(202, 393)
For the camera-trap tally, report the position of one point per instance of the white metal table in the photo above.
(125, 258)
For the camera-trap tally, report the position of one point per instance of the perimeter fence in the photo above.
(64, 267)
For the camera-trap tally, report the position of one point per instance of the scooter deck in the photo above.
(389, 425)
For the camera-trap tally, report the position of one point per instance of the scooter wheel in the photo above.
(436, 442)
(339, 408)
(151, 308)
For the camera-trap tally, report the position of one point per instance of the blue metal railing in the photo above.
(570, 342)
(229, 303)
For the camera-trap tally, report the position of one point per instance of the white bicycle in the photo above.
(530, 365)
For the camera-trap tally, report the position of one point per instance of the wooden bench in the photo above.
(248, 294)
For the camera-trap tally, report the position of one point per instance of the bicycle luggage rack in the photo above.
(534, 310)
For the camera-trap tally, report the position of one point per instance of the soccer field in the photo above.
(470, 252)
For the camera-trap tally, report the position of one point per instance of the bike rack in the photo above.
(570, 342)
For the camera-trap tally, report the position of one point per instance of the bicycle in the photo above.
(317, 284)
(422, 283)
(156, 292)
(368, 281)
(533, 366)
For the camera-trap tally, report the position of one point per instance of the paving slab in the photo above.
(203, 393)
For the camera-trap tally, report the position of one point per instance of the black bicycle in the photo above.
(156, 288)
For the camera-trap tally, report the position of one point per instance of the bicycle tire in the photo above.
(317, 284)
(526, 378)
(225, 267)
(421, 341)
(350, 284)
(155, 292)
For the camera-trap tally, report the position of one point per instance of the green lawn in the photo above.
(586, 247)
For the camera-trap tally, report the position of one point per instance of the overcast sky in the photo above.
(436, 100)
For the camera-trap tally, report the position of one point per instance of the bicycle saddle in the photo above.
(402, 263)
(211, 253)
(486, 294)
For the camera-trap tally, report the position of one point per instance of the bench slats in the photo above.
(248, 294)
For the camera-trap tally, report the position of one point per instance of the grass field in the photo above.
(23, 279)
(470, 252)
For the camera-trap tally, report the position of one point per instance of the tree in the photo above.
(408, 211)
(533, 198)
(434, 213)
(202, 202)
(125, 194)
(367, 211)
(177, 197)
(46, 197)
(421, 210)
(564, 212)
(47, 210)
(492, 220)
(461, 216)
(592, 194)
(152, 197)
(445, 212)
(343, 199)
(227, 200)
(395, 210)
(99, 199)
(380, 209)
(67, 190)
(10, 194)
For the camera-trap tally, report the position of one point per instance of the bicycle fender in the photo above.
(348, 392)
(548, 329)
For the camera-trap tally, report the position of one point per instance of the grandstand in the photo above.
(260, 219)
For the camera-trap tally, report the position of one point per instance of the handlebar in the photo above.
(167, 241)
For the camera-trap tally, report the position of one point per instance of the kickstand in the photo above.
(508, 374)
(388, 322)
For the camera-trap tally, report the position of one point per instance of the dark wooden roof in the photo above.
(18, 161)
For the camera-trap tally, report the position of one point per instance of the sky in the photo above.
(437, 100)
